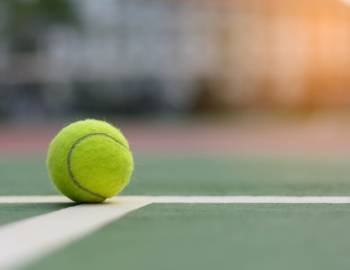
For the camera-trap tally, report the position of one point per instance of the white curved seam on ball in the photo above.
(69, 165)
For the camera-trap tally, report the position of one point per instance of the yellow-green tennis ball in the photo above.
(90, 161)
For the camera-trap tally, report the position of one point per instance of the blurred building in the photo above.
(288, 53)
(179, 55)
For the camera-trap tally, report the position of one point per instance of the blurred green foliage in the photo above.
(26, 21)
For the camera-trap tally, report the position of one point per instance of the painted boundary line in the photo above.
(191, 199)
(24, 241)
(239, 199)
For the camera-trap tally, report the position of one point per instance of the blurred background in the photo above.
(216, 97)
(194, 61)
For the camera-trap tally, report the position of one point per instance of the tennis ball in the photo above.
(90, 161)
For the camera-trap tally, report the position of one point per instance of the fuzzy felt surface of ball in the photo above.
(90, 161)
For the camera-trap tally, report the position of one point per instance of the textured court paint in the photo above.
(160, 175)
(20, 176)
(33, 238)
(209, 237)
(235, 176)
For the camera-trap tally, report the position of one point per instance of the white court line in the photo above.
(243, 199)
(192, 199)
(29, 239)
(33, 199)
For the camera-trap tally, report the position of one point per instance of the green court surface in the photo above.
(206, 236)
(215, 237)
(199, 175)
(15, 212)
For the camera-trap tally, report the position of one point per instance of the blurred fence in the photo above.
(137, 56)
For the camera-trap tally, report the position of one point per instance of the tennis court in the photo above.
(196, 210)
(237, 115)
